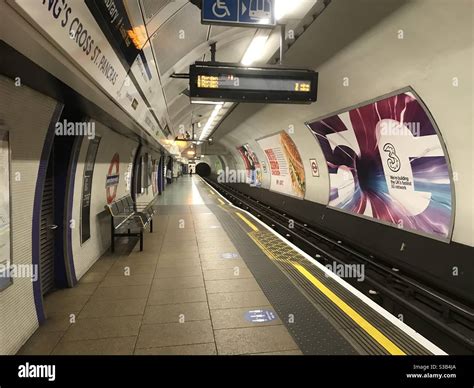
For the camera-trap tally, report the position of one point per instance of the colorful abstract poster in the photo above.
(5, 247)
(386, 162)
(252, 165)
(285, 164)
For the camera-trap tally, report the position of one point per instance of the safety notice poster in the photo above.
(386, 162)
(87, 189)
(285, 165)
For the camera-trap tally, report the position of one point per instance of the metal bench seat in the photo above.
(125, 212)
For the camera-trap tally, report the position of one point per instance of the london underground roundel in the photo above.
(113, 178)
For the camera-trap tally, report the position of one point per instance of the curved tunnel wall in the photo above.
(18, 318)
(27, 133)
(423, 55)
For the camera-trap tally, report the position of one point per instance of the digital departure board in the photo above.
(230, 83)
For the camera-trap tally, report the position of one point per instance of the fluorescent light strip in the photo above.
(256, 49)
(209, 125)
(206, 102)
(284, 7)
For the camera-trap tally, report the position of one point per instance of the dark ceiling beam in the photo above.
(197, 3)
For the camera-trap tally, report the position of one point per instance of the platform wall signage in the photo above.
(314, 167)
(252, 165)
(72, 27)
(5, 241)
(386, 162)
(87, 188)
(154, 178)
(285, 164)
(122, 24)
(253, 13)
(260, 316)
(113, 19)
(113, 178)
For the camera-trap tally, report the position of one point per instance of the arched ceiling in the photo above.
(178, 39)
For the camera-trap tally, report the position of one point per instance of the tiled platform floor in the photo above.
(177, 297)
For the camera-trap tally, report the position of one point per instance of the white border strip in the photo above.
(397, 322)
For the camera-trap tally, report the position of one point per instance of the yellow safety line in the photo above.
(221, 201)
(354, 315)
(243, 218)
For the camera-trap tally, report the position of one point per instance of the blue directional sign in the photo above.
(252, 13)
(260, 316)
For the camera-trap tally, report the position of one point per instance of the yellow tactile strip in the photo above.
(385, 337)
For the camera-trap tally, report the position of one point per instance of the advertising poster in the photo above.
(161, 178)
(252, 165)
(285, 165)
(5, 247)
(154, 177)
(386, 162)
(87, 189)
(218, 165)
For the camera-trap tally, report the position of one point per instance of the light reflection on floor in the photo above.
(185, 190)
(196, 198)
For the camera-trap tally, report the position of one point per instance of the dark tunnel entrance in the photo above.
(203, 169)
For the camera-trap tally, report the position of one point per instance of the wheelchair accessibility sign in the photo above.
(242, 13)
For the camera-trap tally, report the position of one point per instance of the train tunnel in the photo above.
(237, 177)
(203, 169)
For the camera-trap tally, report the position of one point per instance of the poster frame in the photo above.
(406, 89)
(268, 164)
(99, 138)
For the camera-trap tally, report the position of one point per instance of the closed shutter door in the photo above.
(47, 233)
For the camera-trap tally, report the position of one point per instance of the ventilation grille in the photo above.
(47, 234)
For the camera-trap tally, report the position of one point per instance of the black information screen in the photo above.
(228, 82)
(232, 82)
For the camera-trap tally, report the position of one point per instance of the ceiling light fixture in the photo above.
(256, 48)
(284, 7)
(207, 102)
(209, 125)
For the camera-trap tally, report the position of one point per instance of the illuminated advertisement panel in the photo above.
(285, 164)
(387, 162)
(252, 165)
